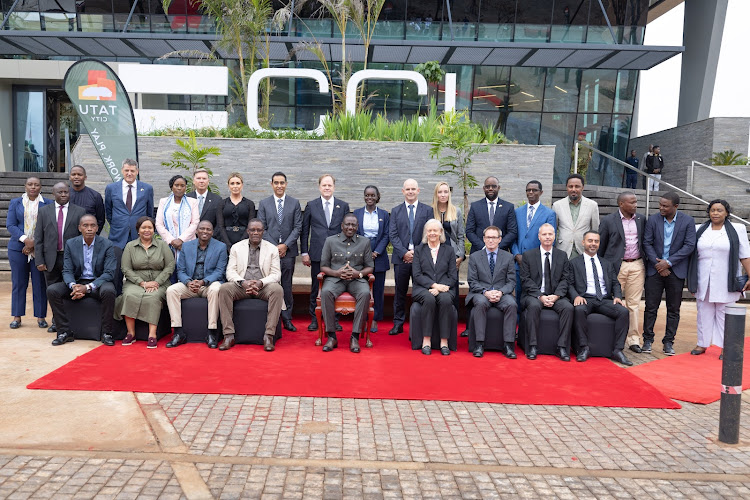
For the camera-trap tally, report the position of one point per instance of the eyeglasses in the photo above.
(532, 190)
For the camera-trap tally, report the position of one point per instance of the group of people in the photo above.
(561, 258)
(652, 163)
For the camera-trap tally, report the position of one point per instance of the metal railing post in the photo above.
(692, 176)
(575, 158)
(731, 374)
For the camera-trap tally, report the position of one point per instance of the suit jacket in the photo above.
(425, 273)
(209, 206)
(381, 240)
(480, 279)
(188, 233)
(577, 279)
(479, 219)
(268, 260)
(121, 222)
(528, 238)
(612, 237)
(569, 234)
(104, 261)
(681, 248)
(531, 273)
(398, 230)
(45, 234)
(14, 221)
(314, 227)
(291, 223)
(214, 266)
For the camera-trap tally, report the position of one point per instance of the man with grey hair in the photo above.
(125, 202)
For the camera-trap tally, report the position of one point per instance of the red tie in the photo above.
(60, 229)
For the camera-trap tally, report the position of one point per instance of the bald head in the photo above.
(410, 190)
(61, 193)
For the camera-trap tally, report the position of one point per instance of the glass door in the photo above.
(28, 130)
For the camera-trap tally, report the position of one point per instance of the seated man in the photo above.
(346, 261)
(594, 288)
(200, 273)
(253, 272)
(89, 266)
(544, 280)
(492, 278)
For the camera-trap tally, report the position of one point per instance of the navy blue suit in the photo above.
(479, 219)
(20, 267)
(121, 221)
(528, 238)
(378, 244)
(214, 267)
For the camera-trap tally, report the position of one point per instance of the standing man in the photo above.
(576, 215)
(584, 156)
(631, 177)
(654, 167)
(643, 164)
(125, 202)
(405, 232)
(322, 218)
(200, 273)
(282, 219)
(668, 242)
(85, 197)
(207, 201)
(491, 211)
(346, 262)
(621, 235)
(594, 288)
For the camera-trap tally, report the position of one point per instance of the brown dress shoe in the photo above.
(227, 343)
(268, 343)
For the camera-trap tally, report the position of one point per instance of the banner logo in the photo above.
(99, 88)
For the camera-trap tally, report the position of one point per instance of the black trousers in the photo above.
(443, 303)
(672, 287)
(608, 308)
(402, 275)
(287, 270)
(506, 304)
(314, 270)
(59, 299)
(378, 294)
(532, 310)
(54, 275)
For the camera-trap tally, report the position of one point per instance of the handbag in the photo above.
(739, 282)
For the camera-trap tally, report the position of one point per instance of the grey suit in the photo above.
(480, 280)
(287, 233)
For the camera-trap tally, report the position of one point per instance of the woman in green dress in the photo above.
(146, 264)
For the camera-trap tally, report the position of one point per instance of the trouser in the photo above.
(378, 294)
(653, 185)
(632, 276)
(443, 302)
(20, 270)
(532, 310)
(402, 276)
(631, 179)
(58, 295)
(314, 271)
(506, 304)
(359, 289)
(671, 286)
(271, 293)
(601, 306)
(710, 322)
(287, 271)
(179, 291)
(54, 275)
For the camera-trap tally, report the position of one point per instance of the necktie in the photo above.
(129, 199)
(492, 263)
(411, 224)
(280, 212)
(597, 286)
(547, 275)
(201, 201)
(492, 212)
(328, 213)
(529, 216)
(60, 229)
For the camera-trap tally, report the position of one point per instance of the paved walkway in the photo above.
(60, 444)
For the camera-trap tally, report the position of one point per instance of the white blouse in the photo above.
(713, 264)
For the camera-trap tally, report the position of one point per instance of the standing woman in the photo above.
(374, 223)
(21, 222)
(177, 217)
(234, 213)
(452, 219)
(715, 273)
(147, 263)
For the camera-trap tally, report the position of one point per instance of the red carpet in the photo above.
(390, 370)
(695, 379)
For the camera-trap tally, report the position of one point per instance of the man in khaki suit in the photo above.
(253, 271)
(576, 214)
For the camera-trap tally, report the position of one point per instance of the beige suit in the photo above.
(569, 233)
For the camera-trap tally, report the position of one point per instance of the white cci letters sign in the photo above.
(351, 87)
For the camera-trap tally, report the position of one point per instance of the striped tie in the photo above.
(529, 216)
(280, 212)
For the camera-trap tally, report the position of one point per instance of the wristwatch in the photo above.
(360, 275)
(88, 288)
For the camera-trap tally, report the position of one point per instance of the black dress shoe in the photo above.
(635, 348)
(374, 328)
(396, 330)
(288, 325)
(584, 354)
(619, 356)
(15, 324)
(509, 352)
(479, 351)
(330, 344)
(465, 333)
(42, 323)
(52, 328)
(562, 353)
(177, 339)
(338, 327)
(426, 350)
(212, 341)
(354, 344)
(646, 346)
(668, 349)
(531, 354)
(63, 338)
(313, 326)
(107, 339)
(445, 351)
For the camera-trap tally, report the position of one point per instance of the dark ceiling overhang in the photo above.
(481, 53)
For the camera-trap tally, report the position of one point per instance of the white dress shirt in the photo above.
(543, 251)
(65, 214)
(590, 286)
(370, 223)
(125, 192)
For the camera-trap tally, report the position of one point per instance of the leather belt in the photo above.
(631, 260)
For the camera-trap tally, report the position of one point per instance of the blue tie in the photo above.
(411, 224)
(492, 263)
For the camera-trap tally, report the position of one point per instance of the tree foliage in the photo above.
(191, 157)
(729, 157)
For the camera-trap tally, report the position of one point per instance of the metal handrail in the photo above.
(696, 162)
(640, 172)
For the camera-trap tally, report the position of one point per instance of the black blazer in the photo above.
(425, 273)
(531, 273)
(245, 210)
(45, 234)
(104, 262)
(577, 280)
(314, 228)
(398, 229)
(612, 238)
(479, 218)
(209, 206)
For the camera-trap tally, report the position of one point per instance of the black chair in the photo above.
(493, 334)
(195, 319)
(415, 325)
(601, 336)
(141, 327)
(250, 321)
(549, 331)
(85, 318)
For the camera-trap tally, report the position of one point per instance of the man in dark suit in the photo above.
(322, 218)
(492, 278)
(207, 201)
(89, 268)
(125, 202)
(668, 242)
(544, 279)
(282, 219)
(621, 244)
(491, 211)
(405, 232)
(593, 288)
